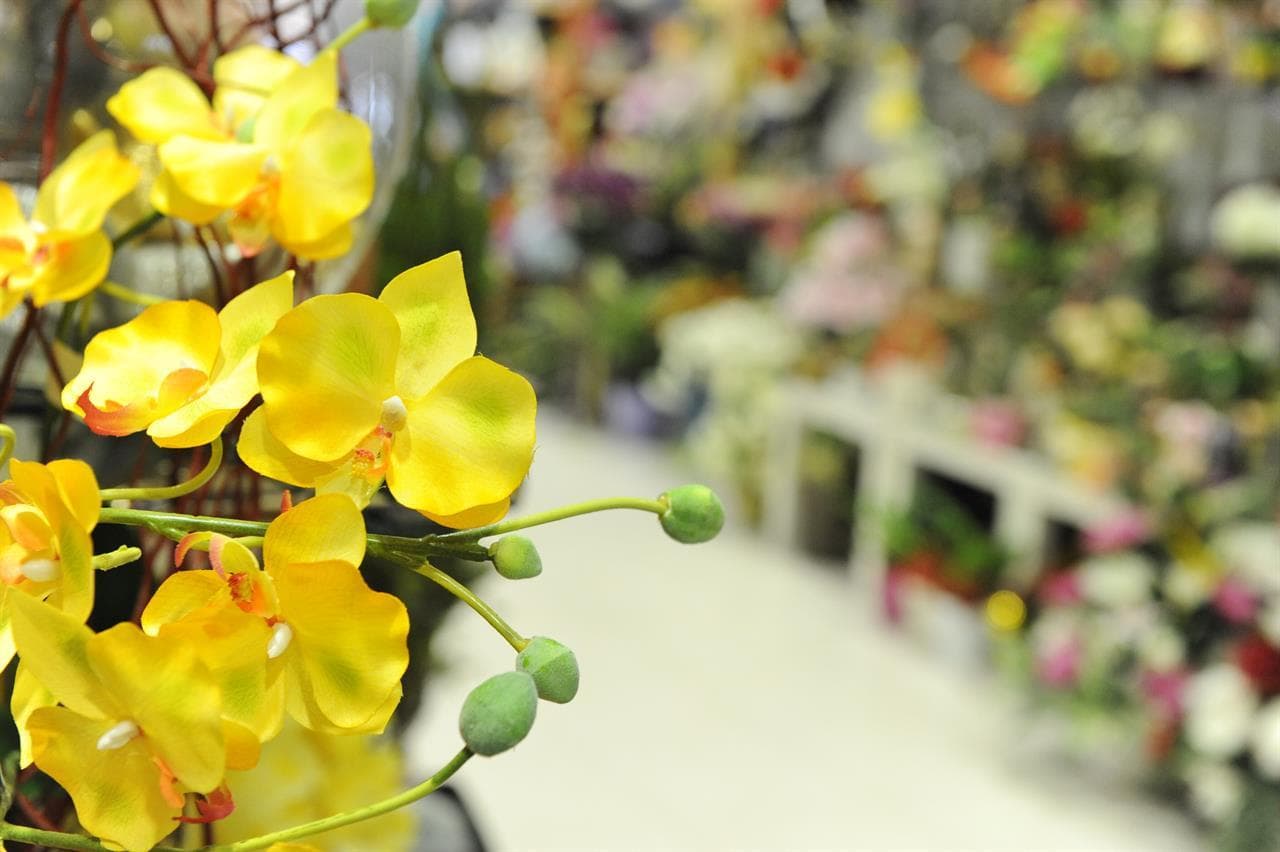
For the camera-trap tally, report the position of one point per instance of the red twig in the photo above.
(33, 813)
(9, 373)
(49, 136)
(163, 21)
(103, 55)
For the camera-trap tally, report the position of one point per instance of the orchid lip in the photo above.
(281, 636)
(395, 414)
(118, 735)
(40, 570)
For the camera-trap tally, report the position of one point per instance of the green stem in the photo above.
(401, 549)
(349, 35)
(584, 508)
(377, 809)
(122, 555)
(61, 840)
(124, 294)
(137, 229)
(171, 491)
(10, 439)
(468, 597)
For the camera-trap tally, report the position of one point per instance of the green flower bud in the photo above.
(498, 713)
(694, 514)
(515, 557)
(390, 13)
(554, 669)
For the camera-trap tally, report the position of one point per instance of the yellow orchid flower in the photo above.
(180, 370)
(137, 724)
(46, 515)
(329, 649)
(304, 776)
(356, 389)
(272, 148)
(62, 253)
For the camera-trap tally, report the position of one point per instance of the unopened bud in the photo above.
(694, 514)
(390, 13)
(499, 713)
(515, 557)
(554, 669)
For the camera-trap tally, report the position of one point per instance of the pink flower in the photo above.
(1235, 600)
(1165, 690)
(1119, 532)
(1060, 666)
(1061, 589)
(997, 423)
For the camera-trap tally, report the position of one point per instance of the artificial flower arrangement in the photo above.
(262, 637)
(1158, 651)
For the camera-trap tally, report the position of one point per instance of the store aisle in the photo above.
(735, 696)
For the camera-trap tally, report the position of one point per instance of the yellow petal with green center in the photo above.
(29, 695)
(348, 649)
(161, 103)
(327, 528)
(167, 197)
(437, 328)
(326, 177)
(72, 268)
(72, 590)
(116, 792)
(54, 647)
(260, 450)
(165, 689)
(78, 488)
(477, 516)
(213, 172)
(295, 100)
(333, 244)
(245, 77)
(77, 194)
(304, 710)
(129, 364)
(233, 646)
(244, 321)
(324, 372)
(468, 443)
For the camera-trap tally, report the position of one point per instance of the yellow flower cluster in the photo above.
(136, 720)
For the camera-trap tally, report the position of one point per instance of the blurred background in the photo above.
(971, 313)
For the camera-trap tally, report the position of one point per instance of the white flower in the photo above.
(1251, 551)
(1117, 579)
(1186, 587)
(1246, 222)
(1220, 705)
(1162, 648)
(1265, 741)
(1216, 790)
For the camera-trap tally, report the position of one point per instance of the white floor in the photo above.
(735, 696)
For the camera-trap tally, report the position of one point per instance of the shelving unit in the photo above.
(903, 427)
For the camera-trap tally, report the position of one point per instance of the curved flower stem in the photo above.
(10, 440)
(396, 802)
(471, 599)
(171, 491)
(584, 508)
(124, 294)
(137, 229)
(349, 35)
(403, 550)
(61, 840)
